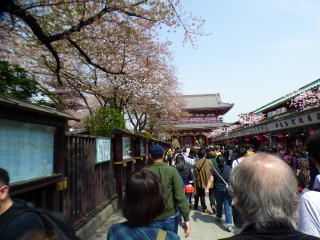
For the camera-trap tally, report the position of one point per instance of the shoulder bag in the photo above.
(224, 181)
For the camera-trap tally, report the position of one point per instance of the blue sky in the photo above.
(258, 50)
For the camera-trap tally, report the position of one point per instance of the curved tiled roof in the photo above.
(205, 101)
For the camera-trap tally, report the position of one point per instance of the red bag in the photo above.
(188, 189)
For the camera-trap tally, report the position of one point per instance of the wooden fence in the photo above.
(91, 186)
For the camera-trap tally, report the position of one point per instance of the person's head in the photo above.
(313, 149)
(180, 163)
(192, 153)
(4, 184)
(157, 152)
(291, 152)
(240, 152)
(143, 200)
(265, 190)
(212, 154)
(303, 153)
(207, 151)
(201, 153)
(221, 161)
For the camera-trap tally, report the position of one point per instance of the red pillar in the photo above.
(194, 140)
(206, 141)
(181, 141)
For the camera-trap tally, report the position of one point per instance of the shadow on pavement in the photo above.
(203, 217)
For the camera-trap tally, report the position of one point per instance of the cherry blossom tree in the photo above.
(102, 53)
(55, 23)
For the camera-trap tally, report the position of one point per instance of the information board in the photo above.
(26, 150)
(103, 150)
(126, 147)
(142, 147)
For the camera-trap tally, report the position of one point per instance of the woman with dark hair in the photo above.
(291, 159)
(191, 162)
(239, 154)
(220, 178)
(303, 169)
(185, 173)
(143, 202)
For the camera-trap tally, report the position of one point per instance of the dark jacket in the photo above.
(186, 175)
(282, 233)
(20, 225)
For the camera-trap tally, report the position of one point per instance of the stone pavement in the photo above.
(203, 226)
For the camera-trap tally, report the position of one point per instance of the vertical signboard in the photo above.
(142, 147)
(126, 147)
(103, 150)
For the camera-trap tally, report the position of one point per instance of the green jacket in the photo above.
(173, 190)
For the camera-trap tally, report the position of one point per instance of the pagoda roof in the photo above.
(181, 126)
(206, 102)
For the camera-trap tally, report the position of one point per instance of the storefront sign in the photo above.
(298, 121)
(250, 118)
(281, 124)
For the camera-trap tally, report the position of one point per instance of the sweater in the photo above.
(173, 191)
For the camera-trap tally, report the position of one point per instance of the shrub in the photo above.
(103, 120)
(147, 134)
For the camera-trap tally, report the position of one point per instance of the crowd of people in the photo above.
(267, 195)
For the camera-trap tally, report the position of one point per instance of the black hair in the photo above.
(221, 161)
(313, 144)
(208, 150)
(201, 153)
(192, 153)
(143, 200)
(239, 152)
(180, 163)
(4, 177)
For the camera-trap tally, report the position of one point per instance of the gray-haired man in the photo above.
(265, 193)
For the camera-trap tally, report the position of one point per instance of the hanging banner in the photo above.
(250, 118)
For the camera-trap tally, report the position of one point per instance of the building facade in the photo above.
(205, 113)
(287, 124)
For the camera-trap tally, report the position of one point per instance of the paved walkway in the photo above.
(203, 226)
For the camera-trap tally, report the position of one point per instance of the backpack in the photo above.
(54, 222)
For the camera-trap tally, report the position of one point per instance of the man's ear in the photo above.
(4, 192)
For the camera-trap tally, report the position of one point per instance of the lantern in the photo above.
(312, 131)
